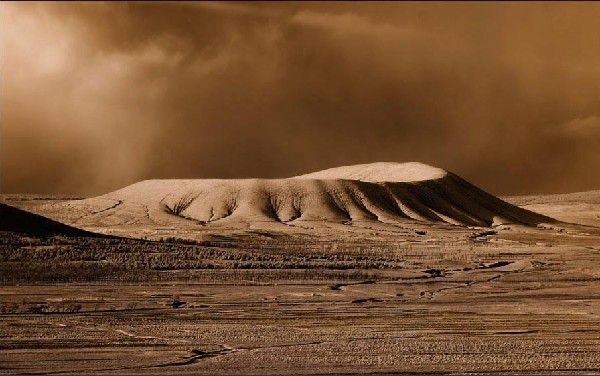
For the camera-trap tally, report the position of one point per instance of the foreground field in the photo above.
(447, 298)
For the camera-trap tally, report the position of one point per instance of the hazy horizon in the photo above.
(96, 96)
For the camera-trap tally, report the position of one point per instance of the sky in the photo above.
(96, 96)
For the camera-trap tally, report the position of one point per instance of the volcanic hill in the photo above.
(389, 193)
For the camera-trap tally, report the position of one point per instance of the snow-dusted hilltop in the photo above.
(380, 172)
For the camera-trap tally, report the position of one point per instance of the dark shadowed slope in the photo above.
(20, 221)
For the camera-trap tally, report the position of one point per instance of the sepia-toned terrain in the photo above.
(399, 268)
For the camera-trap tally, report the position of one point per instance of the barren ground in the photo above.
(521, 300)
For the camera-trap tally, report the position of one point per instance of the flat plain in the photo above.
(358, 297)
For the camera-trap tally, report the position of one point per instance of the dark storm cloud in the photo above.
(95, 96)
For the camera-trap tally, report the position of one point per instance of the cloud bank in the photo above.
(95, 96)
